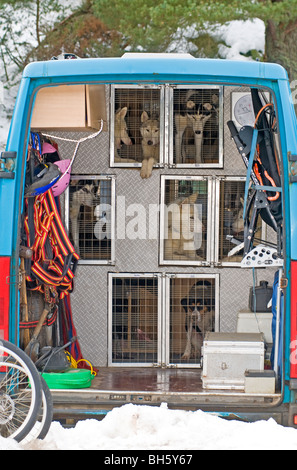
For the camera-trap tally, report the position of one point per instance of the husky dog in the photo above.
(193, 115)
(150, 133)
(199, 318)
(120, 131)
(85, 196)
(184, 229)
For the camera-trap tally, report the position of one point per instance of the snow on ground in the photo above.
(143, 427)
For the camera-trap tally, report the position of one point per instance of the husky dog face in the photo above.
(150, 130)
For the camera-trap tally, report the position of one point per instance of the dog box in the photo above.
(259, 381)
(227, 356)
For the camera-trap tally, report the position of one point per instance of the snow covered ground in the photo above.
(142, 427)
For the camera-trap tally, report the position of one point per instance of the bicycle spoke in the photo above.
(20, 392)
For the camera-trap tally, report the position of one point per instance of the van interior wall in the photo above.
(91, 296)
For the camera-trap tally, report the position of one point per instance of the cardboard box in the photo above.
(69, 107)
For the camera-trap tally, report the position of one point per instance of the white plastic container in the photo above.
(250, 322)
(227, 356)
(262, 382)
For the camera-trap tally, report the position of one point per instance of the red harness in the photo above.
(54, 259)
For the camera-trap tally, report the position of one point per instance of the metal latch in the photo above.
(283, 282)
(7, 164)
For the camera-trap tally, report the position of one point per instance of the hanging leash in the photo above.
(77, 142)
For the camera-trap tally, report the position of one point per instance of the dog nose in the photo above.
(197, 132)
(149, 142)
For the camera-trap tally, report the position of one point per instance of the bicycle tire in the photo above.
(48, 410)
(44, 416)
(20, 392)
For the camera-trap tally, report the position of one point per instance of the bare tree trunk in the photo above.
(281, 46)
(37, 21)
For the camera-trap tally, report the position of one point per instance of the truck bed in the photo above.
(179, 388)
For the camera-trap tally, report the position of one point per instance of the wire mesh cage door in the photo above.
(196, 132)
(137, 125)
(185, 220)
(134, 319)
(192, 310)
(229, 220)
(90, 217)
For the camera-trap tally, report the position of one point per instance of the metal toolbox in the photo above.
(227, 356)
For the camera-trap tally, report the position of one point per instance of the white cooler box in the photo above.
(227, 356)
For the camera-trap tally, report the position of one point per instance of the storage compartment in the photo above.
(134, 319)
(158, 319)
(186, 223)
(69, 106)
(255, 322)
(90, 217)
(260, 297)
(159, 270)
(137, 125)
(230, 224)
(262, 382)
(196, 121)
(227, 356)
(194, 310)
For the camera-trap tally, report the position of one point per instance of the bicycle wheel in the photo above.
(20, 392)
(44, 416)
(47, 410)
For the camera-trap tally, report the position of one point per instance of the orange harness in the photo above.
(54, 259)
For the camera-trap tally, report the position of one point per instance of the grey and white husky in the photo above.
(193, 114)
(150, 143)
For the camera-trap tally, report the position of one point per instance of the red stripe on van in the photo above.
(4, 297)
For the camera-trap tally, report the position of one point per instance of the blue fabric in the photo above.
(273, 325)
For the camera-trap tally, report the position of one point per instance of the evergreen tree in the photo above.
(153, 25)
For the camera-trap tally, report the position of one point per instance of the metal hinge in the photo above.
(292, 157)
(7, 165)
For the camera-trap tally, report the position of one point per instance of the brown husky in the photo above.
(120, 132)
(196, 122)
(183, 223)
(150, 132)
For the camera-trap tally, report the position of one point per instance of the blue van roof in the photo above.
(155, 64)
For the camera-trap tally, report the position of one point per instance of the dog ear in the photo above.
(144, 116)
(122, 112)
(207, 106)
(190, 104)
(215, 99)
